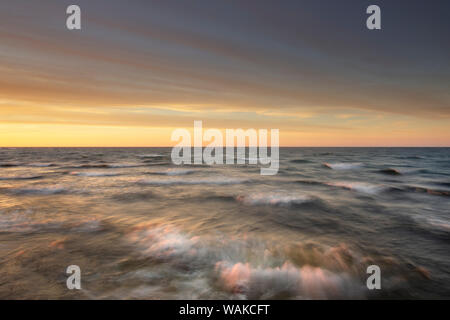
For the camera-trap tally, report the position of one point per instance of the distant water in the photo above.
(140, 227)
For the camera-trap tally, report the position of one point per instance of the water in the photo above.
(140, 227)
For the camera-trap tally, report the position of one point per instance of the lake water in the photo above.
(140, 227)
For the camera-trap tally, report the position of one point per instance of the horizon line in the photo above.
(6, 147)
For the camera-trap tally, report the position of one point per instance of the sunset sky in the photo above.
(140, 69)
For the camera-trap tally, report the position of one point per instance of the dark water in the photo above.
(140, 227)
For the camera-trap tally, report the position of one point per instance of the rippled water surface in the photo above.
(140, 227)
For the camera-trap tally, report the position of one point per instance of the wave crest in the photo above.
(343, 165)
(273, 199)
(250, 268)
(286, 281)
(94, 174)
(207, 181)
(362, 187)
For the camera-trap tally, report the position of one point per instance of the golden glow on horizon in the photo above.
(55, 135)
(114, 85)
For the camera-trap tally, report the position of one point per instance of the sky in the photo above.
(137, 70)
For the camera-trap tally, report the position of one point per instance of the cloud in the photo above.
(277, 63)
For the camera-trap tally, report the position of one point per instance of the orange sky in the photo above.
(130, 79)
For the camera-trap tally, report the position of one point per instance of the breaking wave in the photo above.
(363, 187)
(274, 199)
(343, 165)
(287, 281)
(251, 268)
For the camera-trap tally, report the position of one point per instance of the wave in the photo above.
(445, 184)
(390, 171)
(134, 196)
(115, 166)
(38, 191)
(300, 161)
(22, 178)
(439, 223)
(24, 222)
(218, 197)
(156, 163)
(440, 226)
(274, 199)
(436, 227)
(410, 157)
(85, 225)
(435, 192)
(211, 181)
(363, 187)
(310, 182)
(323, 154)
(21, 222)
(95, 174)
(32, 165)
(151, 155)
(41, 165)
(194, 165)
(103, 166)
(8, 165)
(88, 166)
(343, 165)
(287, 281)
(426, 171)
(172, 172)
(163, 242)
(247, 159)
(250, 268)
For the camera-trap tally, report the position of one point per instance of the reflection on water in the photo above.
(140, 227)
